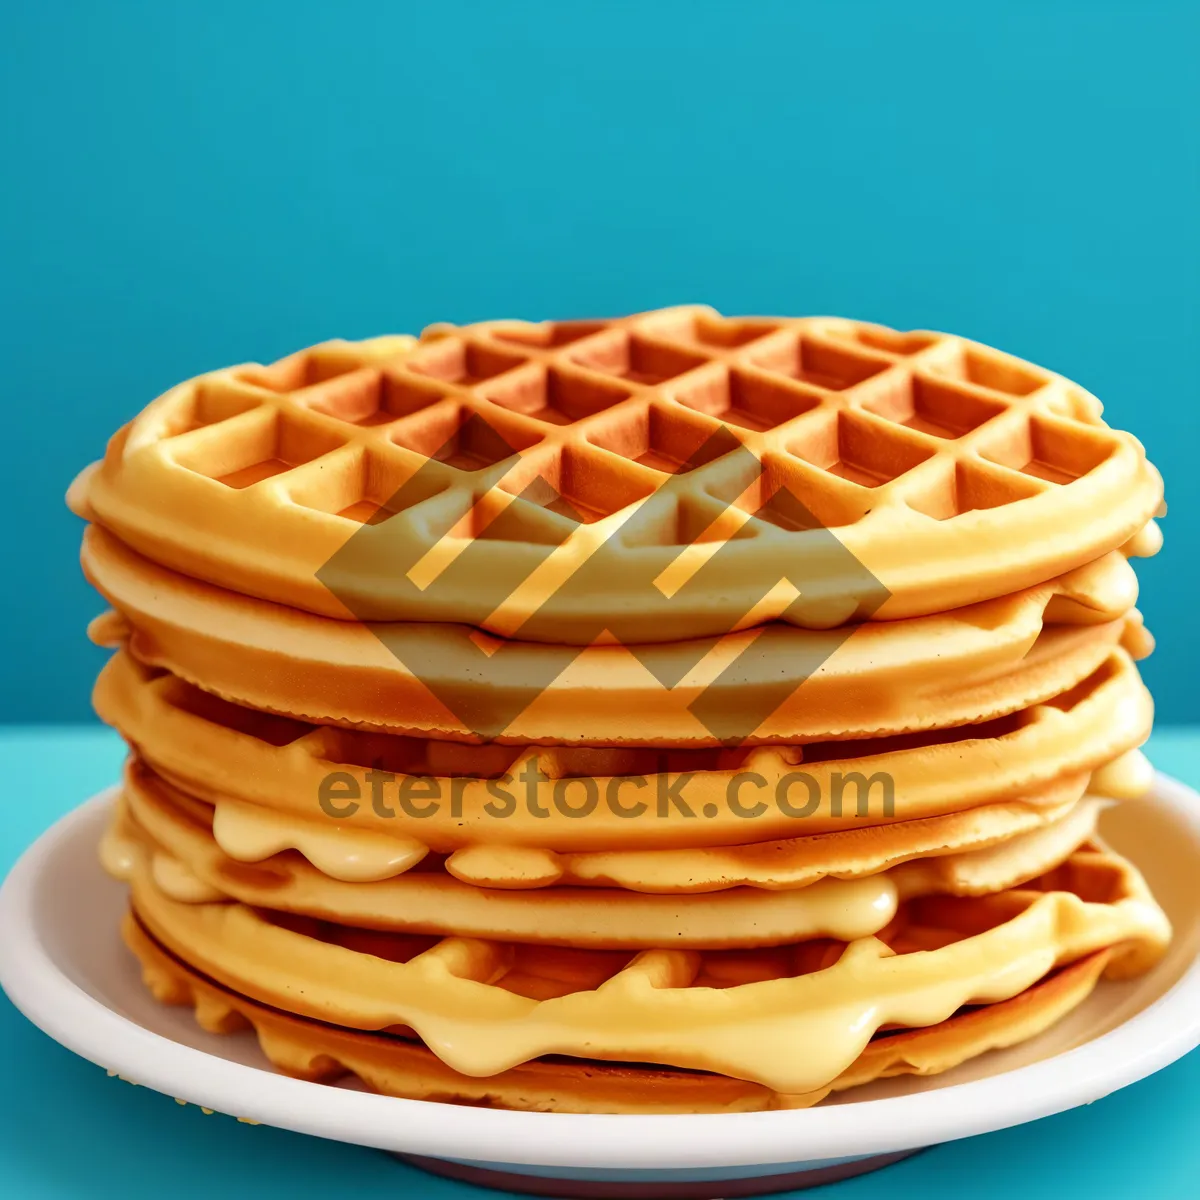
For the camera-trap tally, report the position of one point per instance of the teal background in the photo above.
(187, 185)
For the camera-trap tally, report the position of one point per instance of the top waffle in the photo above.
(669, 475)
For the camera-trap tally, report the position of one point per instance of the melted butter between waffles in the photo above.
(251, 833)
(792, 1034)
(190, 867)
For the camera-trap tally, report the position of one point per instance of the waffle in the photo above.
(218, 752)
(779, 865)
(398, 1066)
(188, 864)
(791, 1018)
(993, 658)
(249, 833)
(645, 476)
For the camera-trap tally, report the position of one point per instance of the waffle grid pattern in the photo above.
(633, 433)
(630, 402)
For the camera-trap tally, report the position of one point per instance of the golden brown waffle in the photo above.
(218, 751)
(992, 658)
(188, 865)
(398, 1066)
(671, 470)
(792, 1018)
(249, 833)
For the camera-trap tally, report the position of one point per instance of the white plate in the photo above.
(62, 964)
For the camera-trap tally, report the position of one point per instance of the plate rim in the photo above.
(1152, 1039)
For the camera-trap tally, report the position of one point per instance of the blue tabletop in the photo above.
(69, 1131)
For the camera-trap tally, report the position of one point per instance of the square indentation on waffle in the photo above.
(745, 397)
(859, 448)
(675, 518)
(254, 446)
(1048, 448)
(372, 396)
(635, 358)
(459, 362)
(580, 484)
(791, 495)
(366, 484)
(555, 395)
(455, 434)
(205, 402)
(966, 486)
(990, 369)
(664, 437)
(934, 406)
(819, 363)
(305, 369)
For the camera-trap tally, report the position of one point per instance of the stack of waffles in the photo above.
(668, 714)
